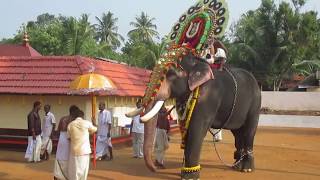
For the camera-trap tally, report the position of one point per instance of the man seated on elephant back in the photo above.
(215, 53)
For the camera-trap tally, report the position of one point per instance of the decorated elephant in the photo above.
(231, 100)
(206, 96)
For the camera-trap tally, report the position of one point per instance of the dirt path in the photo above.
(280, 153)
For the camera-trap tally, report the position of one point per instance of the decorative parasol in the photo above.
(90, 84)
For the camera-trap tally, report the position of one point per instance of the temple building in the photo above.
(26, 76)
(23, 49)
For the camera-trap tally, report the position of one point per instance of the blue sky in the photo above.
(15, 12)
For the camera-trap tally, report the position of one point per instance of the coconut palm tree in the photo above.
(77, 33)
(144, 28)
(107, 30)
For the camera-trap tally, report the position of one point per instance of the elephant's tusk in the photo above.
(156, 108)
(135, 112)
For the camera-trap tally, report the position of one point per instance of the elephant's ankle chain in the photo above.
(191, 169)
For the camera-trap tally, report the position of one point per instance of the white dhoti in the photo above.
(161, 144)
(102, 145)
(62, 157)
(46, 145)
(33, 149)
(60, 170)
(78, 167)
(137, 144)
(217, 135)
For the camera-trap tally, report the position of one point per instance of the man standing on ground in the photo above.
(104, 144)
(161, 141)
(137, 131)
(62, 156)
(34, 132)
(79, 160)
(48, 127)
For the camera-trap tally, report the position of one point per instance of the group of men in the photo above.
(39, 138)
(73, 150)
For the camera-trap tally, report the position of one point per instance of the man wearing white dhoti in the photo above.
(161, 138)
(80, 150)
(137, 132)
(217, 135)
(48, 127)
(63, 149)
(34, 132)
(103, 144)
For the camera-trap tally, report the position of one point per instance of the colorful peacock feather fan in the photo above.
(202, 22)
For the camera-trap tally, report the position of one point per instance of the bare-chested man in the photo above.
(62, 155)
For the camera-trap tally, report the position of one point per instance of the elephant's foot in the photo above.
(244, 161)
(192, 173)
(190, 176)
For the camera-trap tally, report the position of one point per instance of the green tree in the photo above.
(142, 54)
(272, 40)
(76, 34)
(107, 31)
(45, 34)
(144, 29)
(140, 49)
(62, 35)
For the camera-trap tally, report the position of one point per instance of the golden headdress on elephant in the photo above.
(195, 29)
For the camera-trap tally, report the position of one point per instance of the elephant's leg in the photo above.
(248, 132)
(198, 128)
(239, 145)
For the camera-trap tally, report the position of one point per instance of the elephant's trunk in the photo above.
(149, 129)
(150, 120)
(156, 93)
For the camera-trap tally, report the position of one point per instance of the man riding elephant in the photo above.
(215, 53)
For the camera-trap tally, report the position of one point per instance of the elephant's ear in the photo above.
(199, 74)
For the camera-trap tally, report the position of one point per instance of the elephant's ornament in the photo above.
(205, 97)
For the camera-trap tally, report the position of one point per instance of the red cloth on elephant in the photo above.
(215, 66)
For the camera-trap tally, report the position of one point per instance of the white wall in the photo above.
(289, 121)
(291, 100)
(15, 108)
(119, 112)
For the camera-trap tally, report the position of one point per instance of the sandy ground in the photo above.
(280, 153)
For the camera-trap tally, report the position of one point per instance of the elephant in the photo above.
(228, 99)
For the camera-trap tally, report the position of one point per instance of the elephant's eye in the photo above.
(171, 74)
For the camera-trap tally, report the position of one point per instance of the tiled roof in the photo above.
(17, 50)
(53, 74)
